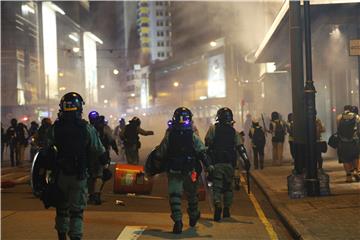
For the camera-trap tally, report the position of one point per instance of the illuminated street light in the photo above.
(116, 72)
(106, 101)
(133, 94)
(176, 84)
(213, 44)
(76, 49)
(61, 74)
(102, 86)
(62, 88)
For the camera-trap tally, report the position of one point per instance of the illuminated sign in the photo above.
(216, 76)
(91, 66)
(355, 47)
(50, 50)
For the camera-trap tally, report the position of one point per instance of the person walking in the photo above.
(290, 131)
(258, 141)
(130, 137)
(11, 141)
(278, 130)
(348, 130)
(97, 179)
(22, 136)
(321, 146)
(75, 140)
(224, 142)
(33, 131)
(183, 149)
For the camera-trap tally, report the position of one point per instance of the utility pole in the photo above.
(311, 180)
(296, 180)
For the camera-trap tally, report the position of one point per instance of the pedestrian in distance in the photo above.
(183, 151)
(11, 141)
(348, 131)
(278, 130)
(33, 131)
(258, 141)
(223, 144)
(118, 129)
(321, 146)
(22, 136)
(290, 131)
(42, 139)
(130, 137)
(75, 140)
(3, 142)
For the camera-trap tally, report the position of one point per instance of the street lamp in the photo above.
(102, 86)
(76, 49)
(106, 101)
(213, 44)
(176, 84)
(132, 95)
(116, 72)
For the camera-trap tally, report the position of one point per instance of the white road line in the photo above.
(131, 232)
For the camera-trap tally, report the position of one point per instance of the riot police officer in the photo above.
(130, 136)
(75, 140)
(98, 178)
(183, 149)
(223, 142)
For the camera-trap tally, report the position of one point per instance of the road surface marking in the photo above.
(269, 228)
(131, 232)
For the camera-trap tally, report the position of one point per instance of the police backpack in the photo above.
(347, 127)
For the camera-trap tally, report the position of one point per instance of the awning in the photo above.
(275, 46)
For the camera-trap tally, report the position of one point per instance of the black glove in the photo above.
(104, 158)
(204, 159)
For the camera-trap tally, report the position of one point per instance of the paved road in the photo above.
(23, 216)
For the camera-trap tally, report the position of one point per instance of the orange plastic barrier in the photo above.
(131, 179)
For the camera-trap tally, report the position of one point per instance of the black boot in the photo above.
(217, 214)
(91, 199)
(226, 212)
(97, 199)
(178, 225)
(61, 236)
(193, 221)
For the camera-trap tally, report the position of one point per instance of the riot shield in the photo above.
(38, 173)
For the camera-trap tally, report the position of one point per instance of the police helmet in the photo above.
(290, 117)
(13, 122)
(347, 108)
(275, 116)
(71, 102)
(354, 109)
(224, 115)
(121, 121)
(93, 115)
(136, 121)
(182, 116)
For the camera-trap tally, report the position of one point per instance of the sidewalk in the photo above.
(333, 217)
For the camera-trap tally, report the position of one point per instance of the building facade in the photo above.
(45, 53)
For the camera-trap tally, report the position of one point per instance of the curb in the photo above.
(297, 229)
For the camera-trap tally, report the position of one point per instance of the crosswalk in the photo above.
(15, 175)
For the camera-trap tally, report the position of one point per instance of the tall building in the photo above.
(154, 27)
(46, 50)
